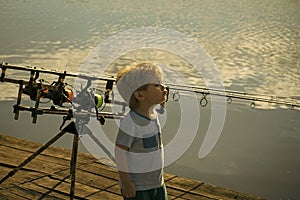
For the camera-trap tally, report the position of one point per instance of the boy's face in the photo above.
(156, 93)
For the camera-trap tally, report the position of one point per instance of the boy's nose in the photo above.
(163, 87)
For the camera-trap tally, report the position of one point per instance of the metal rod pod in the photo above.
(16, 108)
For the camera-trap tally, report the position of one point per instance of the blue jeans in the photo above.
(153, 194)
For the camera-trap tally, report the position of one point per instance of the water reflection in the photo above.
(254, 44)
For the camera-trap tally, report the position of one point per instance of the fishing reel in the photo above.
(89, 99)
(58, 96)
(86, 102)
(57, 92)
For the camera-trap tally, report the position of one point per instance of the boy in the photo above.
(139, 149)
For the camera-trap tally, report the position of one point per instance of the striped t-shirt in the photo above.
(142, 136)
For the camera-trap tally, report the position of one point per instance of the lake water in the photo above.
(254, 44)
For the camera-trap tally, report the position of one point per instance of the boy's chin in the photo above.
(162, 103)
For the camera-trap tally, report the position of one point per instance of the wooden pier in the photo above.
(47, 177)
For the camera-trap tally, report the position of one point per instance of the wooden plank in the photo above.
(175, 193)
(12, 194)
(183, 184)
(81, 189)
(197, 197)
(90, 179)
(168, 176)
(105, 195)
(21, 177)
(95, 179)
(114, 189)
(15, 157)
(31, 147)
(180, 188)
(216, 192)
(101, 170)
(44, 193)
(25, 193)
(170, 197)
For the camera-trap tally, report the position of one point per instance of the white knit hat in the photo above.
(136, 77)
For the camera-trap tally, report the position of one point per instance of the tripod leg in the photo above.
(73, 164)
(40, 150)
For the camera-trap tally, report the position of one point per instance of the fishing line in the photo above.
(175, 89)
(231, 94)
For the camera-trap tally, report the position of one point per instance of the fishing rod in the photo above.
(60, 97)
(5, 66)
(87, 102)
(230, 94)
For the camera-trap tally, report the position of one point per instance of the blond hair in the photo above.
(136, 77)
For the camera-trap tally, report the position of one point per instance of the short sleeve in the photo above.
(124, 138)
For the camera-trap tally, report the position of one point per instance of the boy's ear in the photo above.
(138, 95)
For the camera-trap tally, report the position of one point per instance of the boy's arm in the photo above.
(128, 188)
